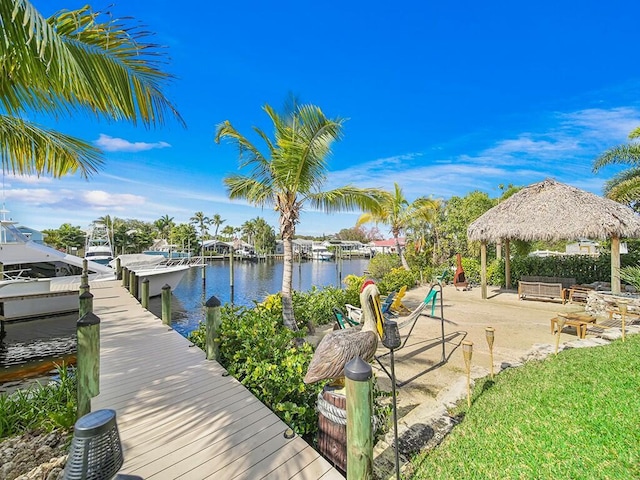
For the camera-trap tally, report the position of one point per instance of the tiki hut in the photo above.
(550, 210)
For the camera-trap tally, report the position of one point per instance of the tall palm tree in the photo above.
(625, 186)
(163, 225)
(72, 61)
(291, 174)
(216, 221)
(202, 222)
(396, 212)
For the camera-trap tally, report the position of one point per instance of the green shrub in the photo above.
(395, 279)
(316, 304)
(471, 267)
(383, 263)
(495, 273)
(40, 406)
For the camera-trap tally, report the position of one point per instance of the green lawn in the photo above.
(574, 416)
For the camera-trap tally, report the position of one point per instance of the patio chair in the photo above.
(354, 313)
(342, 320)
(397, 306)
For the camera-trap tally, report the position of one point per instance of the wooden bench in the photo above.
(545, 287)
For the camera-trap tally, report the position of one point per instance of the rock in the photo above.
(34, 455)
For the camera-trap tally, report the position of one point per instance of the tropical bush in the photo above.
(383, 263)
(495, 272)
(40, 407)
(395, 279)
(631, 275)
(471, 267)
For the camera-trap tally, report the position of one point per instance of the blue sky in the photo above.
(441, 97)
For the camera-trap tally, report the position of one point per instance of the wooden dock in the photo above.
(179, 415)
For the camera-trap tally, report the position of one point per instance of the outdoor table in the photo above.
(578, 320)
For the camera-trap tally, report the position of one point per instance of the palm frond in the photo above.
(45, 151)
(73, 61)
(629, 154)
(347, 198)
(253, 190)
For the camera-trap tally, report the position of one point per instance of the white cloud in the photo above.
(27, 179)
(114, 144)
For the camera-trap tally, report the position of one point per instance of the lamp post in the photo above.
(560, 321)
(490, 333)
(467, 351)
(391, 340)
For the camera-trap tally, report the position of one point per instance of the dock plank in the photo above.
(179, 415)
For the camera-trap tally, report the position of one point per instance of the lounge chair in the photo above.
(342, 320)
(397, 306)
(354, 313)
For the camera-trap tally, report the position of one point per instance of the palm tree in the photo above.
(398, 214)
(69, 62)
(291, 174)
(217, 220)
(625, 186)
(163, 225)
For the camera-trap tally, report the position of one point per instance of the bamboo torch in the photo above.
(467, 351)
(489, 333)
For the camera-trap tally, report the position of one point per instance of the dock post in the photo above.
(231, 274)
(213, 329)
(86, 304)
(118, 269)
(204, 272)
(145, 293)
(88, 361)
(133, 284)
(125, 277)
(166, 305)
(84, 278)
(359, 412)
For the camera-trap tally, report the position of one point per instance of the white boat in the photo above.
(320, 252)
(98, 246)
(25, 298)
(156, 268)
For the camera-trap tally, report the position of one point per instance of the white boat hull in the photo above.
(23, 299)
(160, 276)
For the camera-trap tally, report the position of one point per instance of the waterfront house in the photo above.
(387, 246)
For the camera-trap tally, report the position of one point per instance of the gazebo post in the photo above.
(483, 269)
(507, 265)
(615, 264)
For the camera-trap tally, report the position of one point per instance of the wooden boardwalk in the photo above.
(178, 415)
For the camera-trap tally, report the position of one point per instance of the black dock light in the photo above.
(96, 451)
(391, 340)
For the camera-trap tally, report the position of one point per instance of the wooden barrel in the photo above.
(332, 436)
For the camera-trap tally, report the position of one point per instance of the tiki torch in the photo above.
(622, 306)
(489, 333)
(467, 350)
(560, 321)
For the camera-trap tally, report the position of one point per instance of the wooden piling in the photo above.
(88, 361)
(213, 329)
(166, 305)
(231, 274)
(86, 304)
(359, 412)
(125, 277)
(118, 268)
(133, 284)
(84, 278)
(144, 296)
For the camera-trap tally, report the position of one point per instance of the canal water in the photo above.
(30, 349)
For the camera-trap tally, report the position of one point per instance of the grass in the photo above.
(40, 407)
(574, 416)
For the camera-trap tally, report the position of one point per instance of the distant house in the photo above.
(387, 246)
(583, 247)
(217, 246)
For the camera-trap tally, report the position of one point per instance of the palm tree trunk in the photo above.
(288, 317)
(405, 265)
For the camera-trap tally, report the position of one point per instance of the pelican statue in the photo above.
(341, 346)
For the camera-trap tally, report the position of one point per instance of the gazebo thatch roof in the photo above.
(551, 211)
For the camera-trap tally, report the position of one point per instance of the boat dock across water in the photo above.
(180, 415)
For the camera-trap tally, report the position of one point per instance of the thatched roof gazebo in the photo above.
(550, 211)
